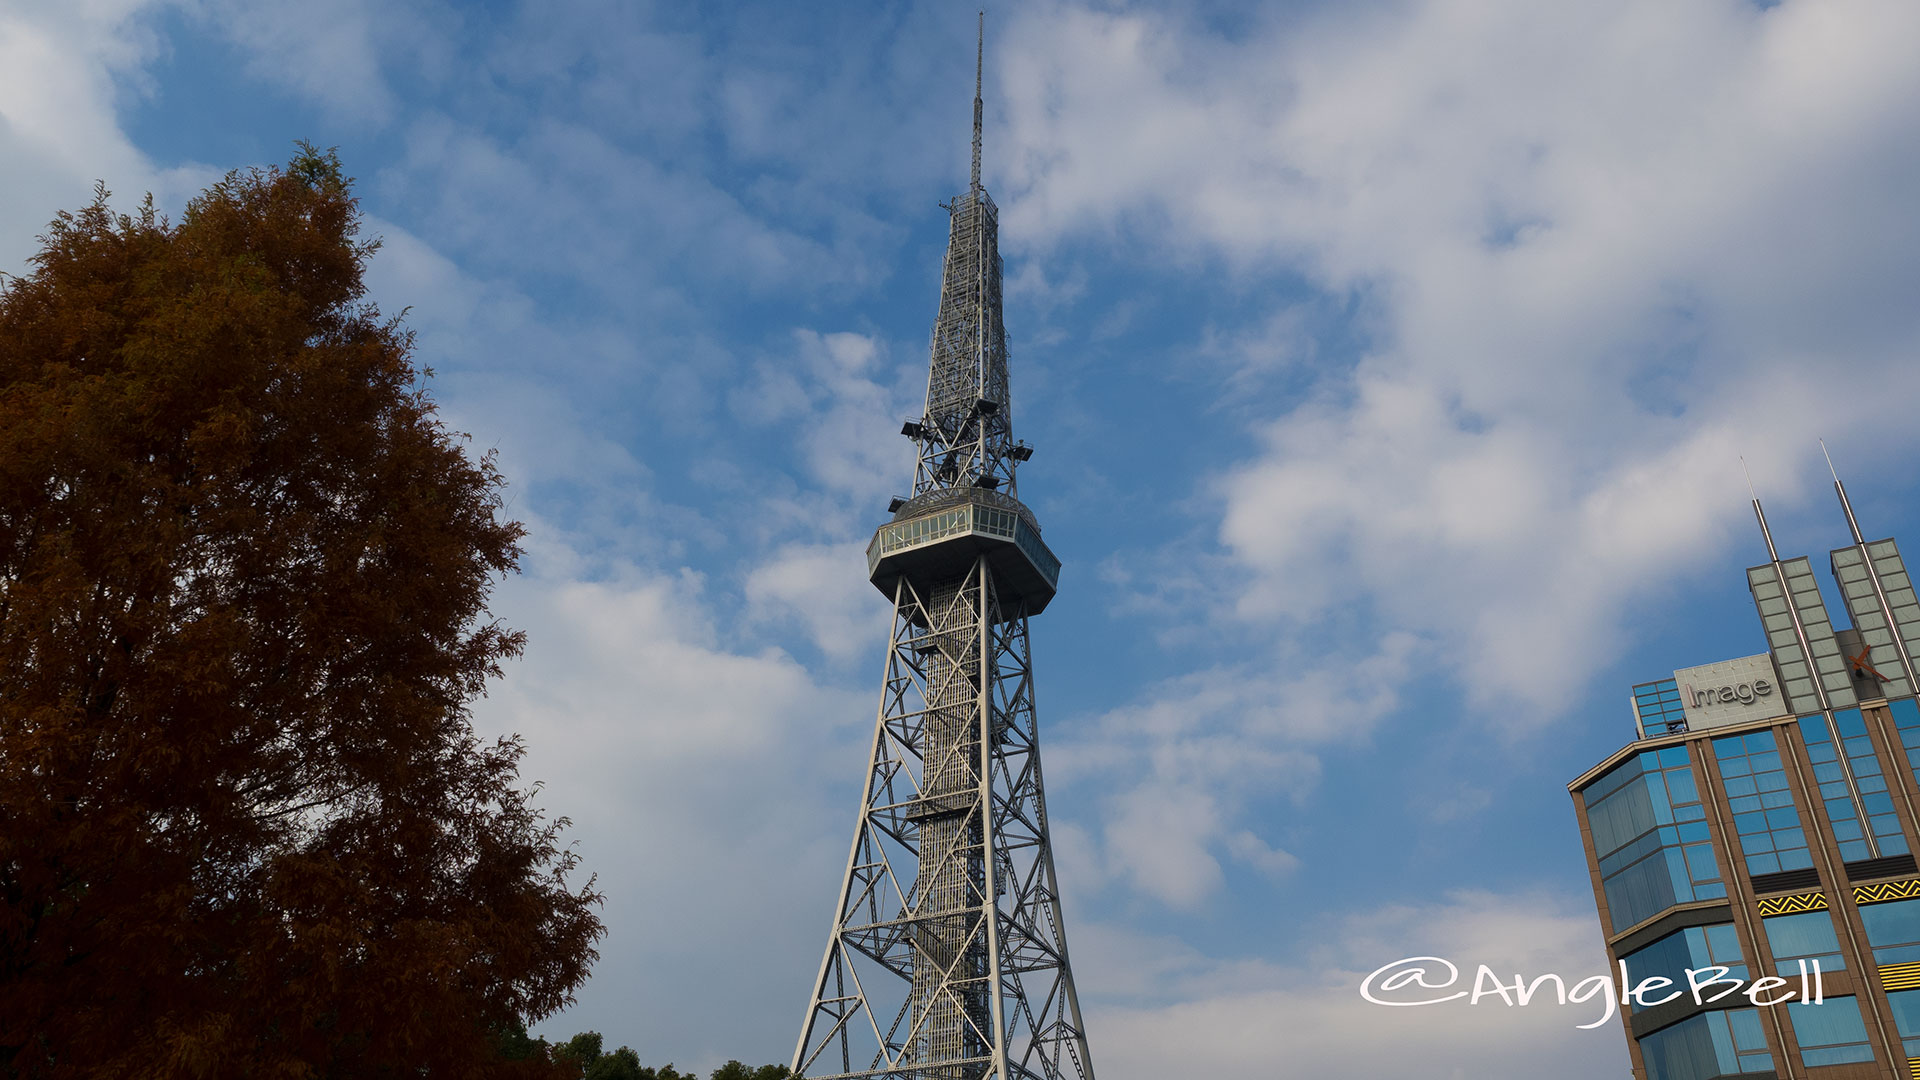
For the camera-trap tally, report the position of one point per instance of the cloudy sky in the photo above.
(1389, 366)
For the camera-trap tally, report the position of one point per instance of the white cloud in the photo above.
(1154, 837)
(606, 60)
(1601, 250)
(818, 585)
(861, 393)
(691, 771)
(642, 233)
(1459, 803)
(1187, 761)
(62, 67)
(327, 53)
(831, 403)
(1257, 853)
(1242, 1019)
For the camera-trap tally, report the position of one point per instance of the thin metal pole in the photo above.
(979, 63)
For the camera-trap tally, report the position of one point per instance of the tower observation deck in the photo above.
(947, 958)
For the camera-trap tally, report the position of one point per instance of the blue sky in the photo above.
(1389, 367)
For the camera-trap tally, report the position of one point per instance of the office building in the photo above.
(1763, 820)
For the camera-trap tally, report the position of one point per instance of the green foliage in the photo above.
(583, 1048)
(622, 1064)
(514, 1044)
(584, 1053)
(318, 169)
(733, 1070)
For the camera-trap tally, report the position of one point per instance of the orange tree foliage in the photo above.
(245, 826)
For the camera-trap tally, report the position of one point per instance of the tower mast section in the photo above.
(979, 63)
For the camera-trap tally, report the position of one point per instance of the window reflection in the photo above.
(1650, 834)
(1763, 812)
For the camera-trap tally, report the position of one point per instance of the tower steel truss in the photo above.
(947, 958)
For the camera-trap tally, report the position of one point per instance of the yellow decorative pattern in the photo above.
(1882, 891)
(1900, 976)
(1913, 1068)
(1787, 905)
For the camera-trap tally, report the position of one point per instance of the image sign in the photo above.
(1730, 692)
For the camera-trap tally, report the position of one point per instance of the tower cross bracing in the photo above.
(947, 958)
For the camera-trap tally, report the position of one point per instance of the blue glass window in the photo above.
(1658, 706)
(1693, 949)
(1650, 833)
(1830, 1033)
(1874, 797)
(1906, 720)
(1708, 1045)
(1763, 811)
(1893, 929)
(1806, 936)
(1906, 1017)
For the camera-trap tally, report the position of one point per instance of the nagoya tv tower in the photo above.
(948, 956)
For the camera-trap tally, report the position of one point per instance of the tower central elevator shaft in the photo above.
(952, 844)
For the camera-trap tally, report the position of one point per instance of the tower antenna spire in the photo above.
(979, 63)
(1846, 507)
(1773, 556)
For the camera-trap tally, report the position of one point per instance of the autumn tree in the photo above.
(246, 828)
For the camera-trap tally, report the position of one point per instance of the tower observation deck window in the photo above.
(1029, 542)
(992, 519)
(924, 530)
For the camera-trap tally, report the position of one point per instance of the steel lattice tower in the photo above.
(948, 956)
